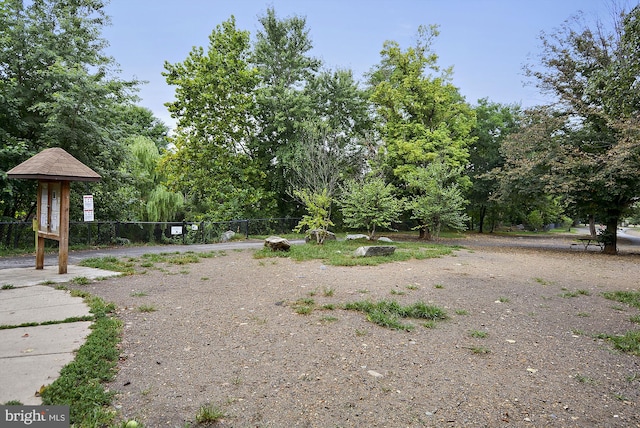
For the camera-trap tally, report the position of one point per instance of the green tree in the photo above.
(57, 88)
(438, 200)
(215, 111)
(494, 123)
(370, 203)
(585, 147)
(422, 114)
(318, 217)
(281, 57)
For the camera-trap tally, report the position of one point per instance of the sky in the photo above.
(487, 42)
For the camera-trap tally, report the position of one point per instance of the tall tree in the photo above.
(422, 114)
(281, 56)
(494, 123)
(57, 88)
(215, 111)
(586, 146)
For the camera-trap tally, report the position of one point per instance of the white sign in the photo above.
(88, 207)
(176, 230)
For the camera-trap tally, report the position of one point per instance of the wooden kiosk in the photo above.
(54, 169)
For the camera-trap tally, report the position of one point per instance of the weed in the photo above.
(312, 293)
(48, 282)
(503, 299)
(304, 306)
(396, 292)
(631, 298)
(80, 385)
(328, 319)
(387, 313)
(635, 319)
(632, 377)
(576, 293)
(147, 264)
(584, 379)
(583, 314)
(363, 291)
(328, 292)
(618, 308)
(79, 293)
(329, 306)
(109, 263)
(542, 281)
(184, 271)
(81, 280)
(479, 350)
(628, 342)
(429, 324)
(145, 391)
(479, 334)
(439, 286)
(462, 312)
(361, 332)
(204, 278)
(236, 381)
(577, 332)
(146, 308)
(209, 414)
(8, 287)
(620, 397)
(412, 287)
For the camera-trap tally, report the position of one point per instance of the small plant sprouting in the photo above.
(503, 299)
(479, 334)
(576, 293)
(429, 324)
(439, 286)
(396, 292)
(584, 379)
(209, 414)
(361, 332)
(583, 314)
(412, 287)
(139, 294)
(328, 291)
(146, 308)
(328, 319)
(81, 280)
(462, 312)
(8, 287)
(479, 350)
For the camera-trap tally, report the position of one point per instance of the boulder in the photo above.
(372, 251)
(227, 236)
(312, 235)
(384, 239)
(357, 236)
(277, 243)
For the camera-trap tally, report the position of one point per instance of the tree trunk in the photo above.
(592, 226)
(425, 233)
(483, 213)
(610, 235)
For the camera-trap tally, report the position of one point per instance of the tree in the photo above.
(280, 56)
(422, 116)
(370, 203)
(57, 88)
(585, 148)
(318, 217)
(495, 122)
(438, 200)
(215, 111)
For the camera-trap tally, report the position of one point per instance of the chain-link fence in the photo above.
(21, 235)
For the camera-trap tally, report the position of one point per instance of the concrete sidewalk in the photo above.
(33, 356)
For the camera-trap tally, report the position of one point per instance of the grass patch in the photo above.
(412, 287)
(340, 253)
(462, 312)
(8, 287)
(209, 414)
(147, 308)
(109, 263)
(542, 281)
(631, 298)
(438, 286)
(478, 334)
(481, 350)
(635, 319)
(328, 291)
(139, 294)
(81, 280)
(628, 342)
(304, 306)
(576, 293)
(503, 299)
(389, 313)
(584, 379)
(80, 385)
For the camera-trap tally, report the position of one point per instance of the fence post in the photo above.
(246, 228)
(184, 232)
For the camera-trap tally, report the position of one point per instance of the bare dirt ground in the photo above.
(225, 333)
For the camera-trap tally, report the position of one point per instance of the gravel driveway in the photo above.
(520, 347)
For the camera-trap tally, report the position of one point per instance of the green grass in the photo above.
(146, 308)
(109, 263)
(390, 313)
(635, 319)
(628, 342)
(462, 312)
(584, 379)
(631, 298)
(80, 384)
(81, 280)
(576, 293)
(139, 294)
(8, 287)
(503, 299)
(340, 253)
(209, 414)
(478, 334)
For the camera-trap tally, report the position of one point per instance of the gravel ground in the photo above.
(225, 334)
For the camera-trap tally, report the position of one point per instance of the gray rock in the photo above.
(277, 243)
(384, 239)
(227, 236)
(374, 251)
(312, 235)
(357, 236)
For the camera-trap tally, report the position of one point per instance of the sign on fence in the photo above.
(88, 207)
(176, 230)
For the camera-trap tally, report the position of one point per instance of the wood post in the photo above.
(63, 247)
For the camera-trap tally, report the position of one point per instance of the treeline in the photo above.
(265, 130)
